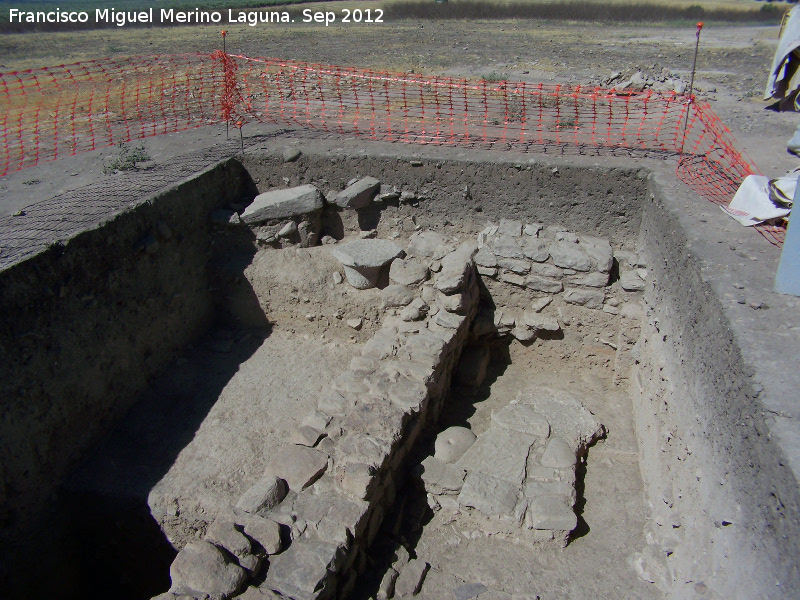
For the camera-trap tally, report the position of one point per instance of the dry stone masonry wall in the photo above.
(304, 529)
(341, 466)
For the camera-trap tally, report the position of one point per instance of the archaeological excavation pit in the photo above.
(435, 374)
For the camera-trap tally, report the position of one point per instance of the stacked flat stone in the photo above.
(517, 479)
(546, 261)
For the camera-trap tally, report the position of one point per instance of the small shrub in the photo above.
(495, 77)
(126, 159)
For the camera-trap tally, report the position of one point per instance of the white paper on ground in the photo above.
(751, 204)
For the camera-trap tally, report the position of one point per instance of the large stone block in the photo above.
(283, 204)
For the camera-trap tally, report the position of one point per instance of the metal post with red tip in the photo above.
(224, 51)
(691, 83)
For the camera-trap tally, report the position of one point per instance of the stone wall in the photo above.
(343, 470)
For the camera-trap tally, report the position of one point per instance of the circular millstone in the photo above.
(363, 260)
(452, 443)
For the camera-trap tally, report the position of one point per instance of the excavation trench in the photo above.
(181, 352)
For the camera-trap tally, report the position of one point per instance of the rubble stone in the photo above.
(584, 297)
(202, 567)
(303, 569)
(543, 284)
(223, 533)
(408, 271)
(429, 244)
(631, 281)
(359, 194)
(569, 256)
(264, 495)
(397, 295)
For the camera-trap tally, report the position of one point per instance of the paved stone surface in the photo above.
(500, 453)
(558, 454)
(522, 418)
(550, 512)
(492, 496)
(282, 204)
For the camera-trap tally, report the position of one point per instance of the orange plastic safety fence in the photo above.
(47, 113)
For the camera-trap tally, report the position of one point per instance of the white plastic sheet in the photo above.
(755, 202)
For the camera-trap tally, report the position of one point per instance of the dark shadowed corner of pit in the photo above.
(96, 532)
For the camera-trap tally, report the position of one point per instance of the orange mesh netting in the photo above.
(52, 112)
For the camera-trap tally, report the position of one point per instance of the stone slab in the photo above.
(297, 465)
(492, 496)
(500, 453)
(283, 204)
